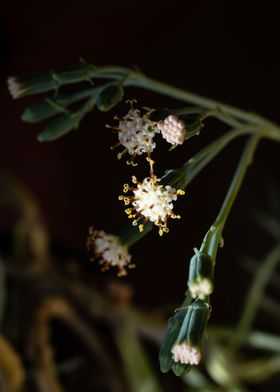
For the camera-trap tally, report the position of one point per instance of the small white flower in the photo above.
(186, 354)
(152, 201)
(110, 252)
(136, 133)
(201, 288)
(14, 87)
(173, 129)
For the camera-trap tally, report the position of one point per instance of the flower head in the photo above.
(136, 133)
(172, 129)
(151, 201)
(110, 252)
(186, 354)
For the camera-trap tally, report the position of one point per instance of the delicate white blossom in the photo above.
(14, 87)
(186, 354)
(136, 133)
(110, 252)
(172, 129)
(202, 288)
(151, 201)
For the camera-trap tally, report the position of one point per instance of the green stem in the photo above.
(140, 80)
(213, 237)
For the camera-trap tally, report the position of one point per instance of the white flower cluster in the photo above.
(151, 201)
(173, 130)
(186, 354)
(136, 133)
(109, 251)
(201, 288)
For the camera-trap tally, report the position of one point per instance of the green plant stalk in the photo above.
(138, 79)
(213, 238)
(254, 296)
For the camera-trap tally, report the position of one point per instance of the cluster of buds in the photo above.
(173, 130)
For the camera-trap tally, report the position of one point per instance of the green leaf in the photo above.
(42, 110)
(109, 97)
(48, 107)
(59, 127)
(75, 74)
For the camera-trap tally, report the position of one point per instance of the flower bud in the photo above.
(181, 347)
(48, 81)
(109, 97)
(187, 348)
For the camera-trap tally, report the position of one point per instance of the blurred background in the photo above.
(224, 50)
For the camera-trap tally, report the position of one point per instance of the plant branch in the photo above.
(213, 237)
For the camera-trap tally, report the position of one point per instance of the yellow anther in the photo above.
(134, 180)
(134, 223)
(125, 188)
(131, 216)
(128, 211)
(126, 200)
(160, 232)
(173, 216)
(141, 228)
(180, 192)
(121, 197)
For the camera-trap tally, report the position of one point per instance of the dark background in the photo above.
(227, 50)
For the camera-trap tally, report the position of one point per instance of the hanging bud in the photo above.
(109, 97)
(187, 348)
(200, 280)
(48, 81)
(50, 107)
(59, 127)
(181, 347)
